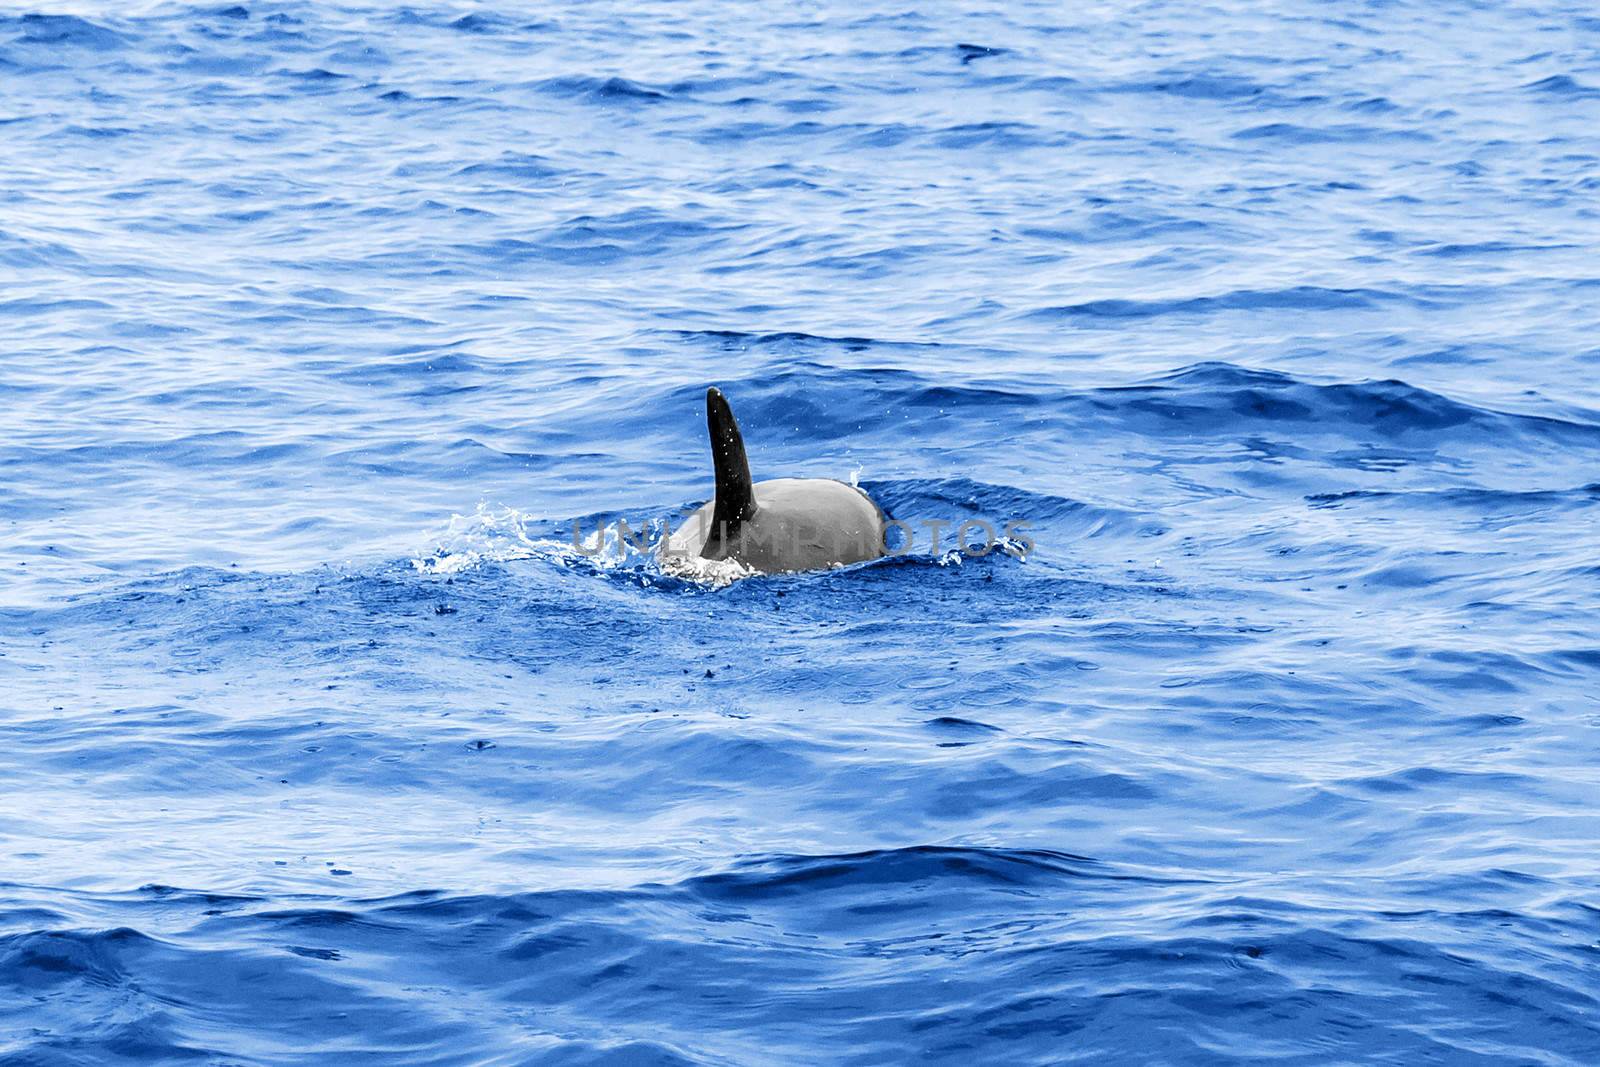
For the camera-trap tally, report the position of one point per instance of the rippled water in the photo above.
(323, 323)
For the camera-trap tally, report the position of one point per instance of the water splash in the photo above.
(498, 533)
(491, 534)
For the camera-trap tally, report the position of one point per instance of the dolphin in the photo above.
(776, 526)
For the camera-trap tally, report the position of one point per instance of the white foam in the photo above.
(500, 534)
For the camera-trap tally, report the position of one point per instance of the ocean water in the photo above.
(1275, 324)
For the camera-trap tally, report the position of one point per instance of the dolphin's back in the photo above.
(785, 524)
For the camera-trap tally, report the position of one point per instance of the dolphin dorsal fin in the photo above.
(736, 497)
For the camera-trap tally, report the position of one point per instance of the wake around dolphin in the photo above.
(776, 526)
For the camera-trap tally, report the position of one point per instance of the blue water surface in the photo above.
(1277, 324)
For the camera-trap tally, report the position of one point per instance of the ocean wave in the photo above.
(323, 742)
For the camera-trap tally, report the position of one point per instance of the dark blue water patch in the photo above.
(1205, 400)
(1562, 85)
(922, 869)
(1485, 248)
(957, 500)
(885, 922)
(972, 52)
(105, 133)
(64, 31)
(1347, 133)
(1475, 501)
(315, 78)
(745, 132)
(1300, 298)
(480, 22)
(1201, 86)
(994, 134)
(1392, 409)
(613, 90)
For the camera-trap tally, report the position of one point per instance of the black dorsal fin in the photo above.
(736, 497)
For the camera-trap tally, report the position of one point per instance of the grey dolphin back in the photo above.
(736, 495)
